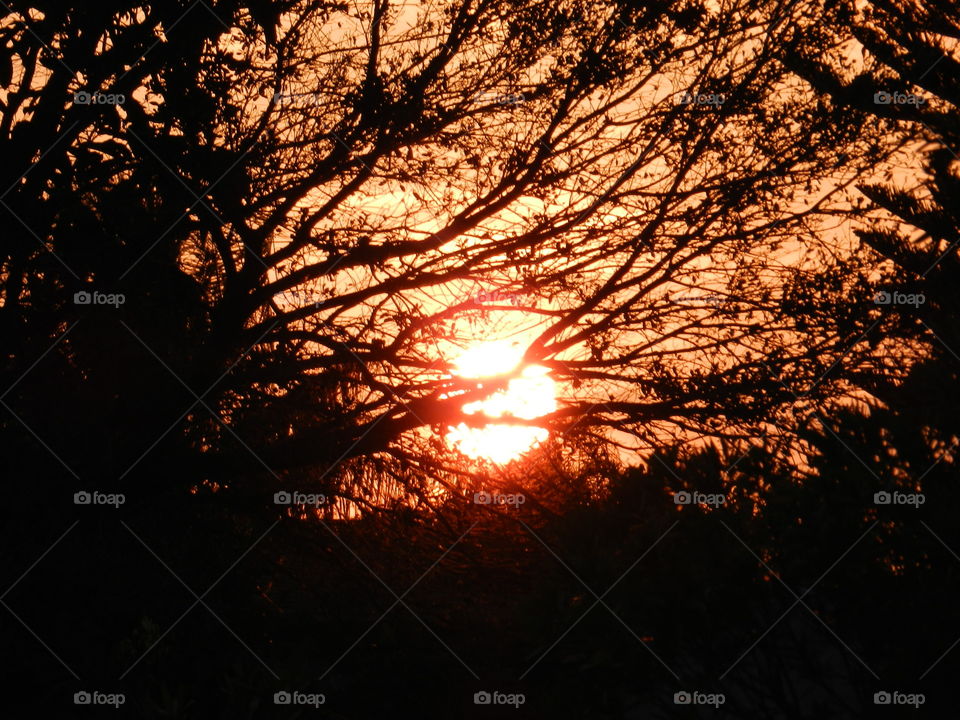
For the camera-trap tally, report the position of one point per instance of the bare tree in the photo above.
(308, 213)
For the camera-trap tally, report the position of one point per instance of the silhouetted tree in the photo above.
(302, 224)
(309, 207)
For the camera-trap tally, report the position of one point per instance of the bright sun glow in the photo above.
(529, 396)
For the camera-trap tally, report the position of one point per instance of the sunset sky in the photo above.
(578, 359)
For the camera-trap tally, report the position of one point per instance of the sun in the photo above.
(530, 395)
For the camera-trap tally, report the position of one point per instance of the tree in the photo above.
(302, 227)
(906, 85)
